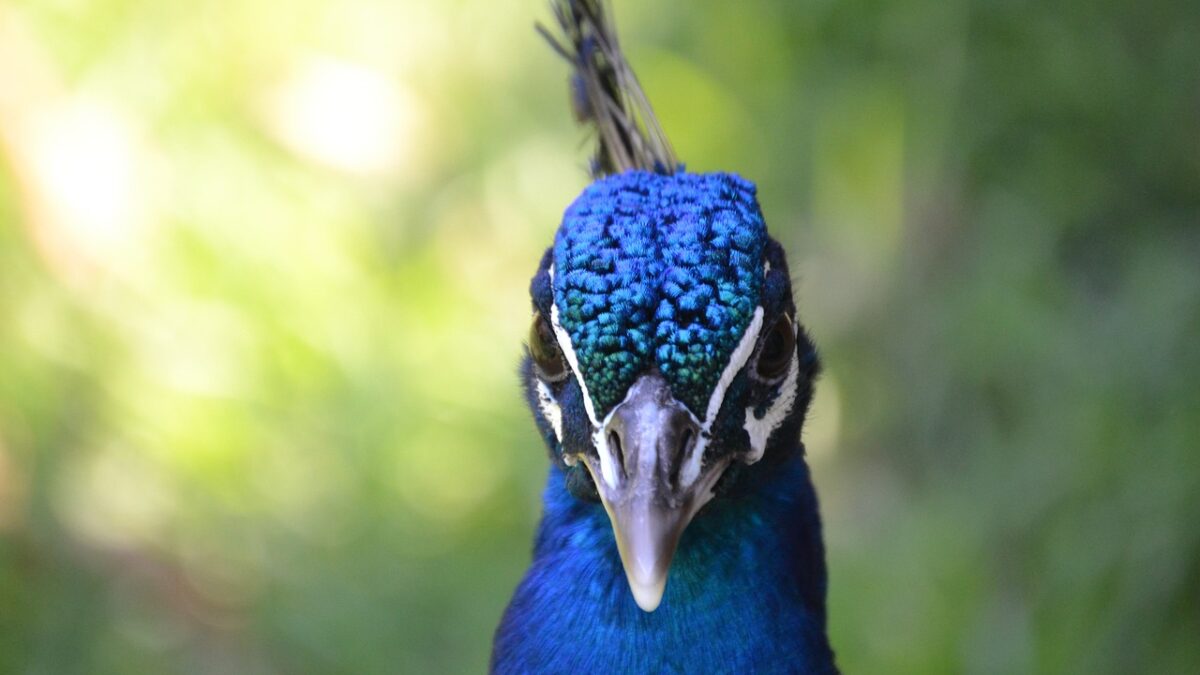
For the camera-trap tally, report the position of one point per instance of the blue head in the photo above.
(665, 359)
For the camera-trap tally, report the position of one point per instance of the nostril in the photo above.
(686, 439)
(686, 442)
(614, 444)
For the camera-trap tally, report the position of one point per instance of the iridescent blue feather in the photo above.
(671, 375)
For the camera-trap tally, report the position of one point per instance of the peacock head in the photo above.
(665, 361)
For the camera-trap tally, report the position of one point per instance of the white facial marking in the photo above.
(568, 350)
(564, 343)
(608, 466)
(737, 361)
(550, 408)
(760, 429)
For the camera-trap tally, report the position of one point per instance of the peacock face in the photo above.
(664, 350)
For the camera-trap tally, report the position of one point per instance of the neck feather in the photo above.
(747, 584)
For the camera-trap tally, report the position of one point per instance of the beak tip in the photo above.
(646, 566)
(647, 596)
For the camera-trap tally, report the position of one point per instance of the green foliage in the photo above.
(263, 276)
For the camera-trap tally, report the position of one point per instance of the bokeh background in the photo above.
(263, 273)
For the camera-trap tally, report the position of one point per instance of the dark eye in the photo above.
(544, 349)
(777, 349)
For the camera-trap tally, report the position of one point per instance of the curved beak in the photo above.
(649, 476)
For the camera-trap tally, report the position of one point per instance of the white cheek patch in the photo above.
(550, 408)
(737, 361)
(761, 428)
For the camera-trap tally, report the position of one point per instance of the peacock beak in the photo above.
(649, 475)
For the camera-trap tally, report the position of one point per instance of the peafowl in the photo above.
(669, 376)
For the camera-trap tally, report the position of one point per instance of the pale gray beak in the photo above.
(653, 483)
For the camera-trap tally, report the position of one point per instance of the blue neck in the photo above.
(746, 589)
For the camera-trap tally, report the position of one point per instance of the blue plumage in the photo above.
(573, 613)
(670, 377)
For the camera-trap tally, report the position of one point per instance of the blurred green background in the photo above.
(263, 273)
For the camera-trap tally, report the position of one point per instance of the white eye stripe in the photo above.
(568, 350)
(760, 429)
(608, 467)
(737, 360)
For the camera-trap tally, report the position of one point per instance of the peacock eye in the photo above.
(777, 349)
(543, 347)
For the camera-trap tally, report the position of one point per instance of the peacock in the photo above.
(669, 376)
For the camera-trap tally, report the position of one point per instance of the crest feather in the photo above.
(605, 92)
